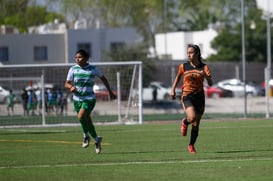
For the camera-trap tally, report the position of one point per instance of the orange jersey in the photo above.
(193, 77)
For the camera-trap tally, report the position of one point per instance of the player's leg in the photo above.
(190, 114)
(8, 109)
(91, 128)
(194, 134)
(199, 104)
(81, 113)
(88, 106)
(93, 133)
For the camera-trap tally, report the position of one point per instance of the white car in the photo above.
(4, 92)
(237, 87)
(162, 91)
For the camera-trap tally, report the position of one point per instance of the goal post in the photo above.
(49, 79)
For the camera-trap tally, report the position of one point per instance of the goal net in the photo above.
(41, 99)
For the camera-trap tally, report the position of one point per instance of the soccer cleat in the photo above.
(85, 142)
(191, 149)
(98, 141)
(183, 128)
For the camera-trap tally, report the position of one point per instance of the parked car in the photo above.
(211, 92)
(237, 87)
(162, 91)
(259, 88)
(154, 91)
(216, 92)
(262, 85)
(102, 93)
(4, 92)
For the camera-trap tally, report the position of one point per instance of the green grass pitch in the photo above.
(234, 150)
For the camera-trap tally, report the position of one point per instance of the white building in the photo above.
(55, 44)
(173, 45)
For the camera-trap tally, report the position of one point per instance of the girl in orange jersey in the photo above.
(193, 98)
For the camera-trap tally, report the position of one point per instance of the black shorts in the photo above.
(196, 100)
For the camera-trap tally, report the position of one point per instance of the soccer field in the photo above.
(226, 150)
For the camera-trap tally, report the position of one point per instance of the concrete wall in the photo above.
(21, 47)
(166, 70)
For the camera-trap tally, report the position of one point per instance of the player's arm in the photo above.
(107, 85)
(209, 80)
(68, 84)
(175, 82)
(208, 76)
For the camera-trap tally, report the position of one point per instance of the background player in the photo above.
(193, 98)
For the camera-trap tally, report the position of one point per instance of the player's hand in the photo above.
(112, 96)
(73, 89)
(173, 95)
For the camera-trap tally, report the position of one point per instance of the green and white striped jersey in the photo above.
(83, 79)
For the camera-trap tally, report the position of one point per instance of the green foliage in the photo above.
(228, 46)
(22, 16)
(228, 43)
(134, 53)
(147, 16)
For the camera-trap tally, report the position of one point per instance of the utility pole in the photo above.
(243, 55)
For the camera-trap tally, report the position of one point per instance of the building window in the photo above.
(40, 53)
(4, 54)
(116, 46)
(85, 46)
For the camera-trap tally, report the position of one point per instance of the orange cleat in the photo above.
(191, 149)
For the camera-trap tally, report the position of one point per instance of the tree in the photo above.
(155, 16)
(228, 43)
(21, 15)
(134, 53)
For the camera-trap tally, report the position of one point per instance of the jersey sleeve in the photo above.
(98, 72)
(207, 71)
(70, 74)
(181, 69)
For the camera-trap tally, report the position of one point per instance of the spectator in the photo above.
(24, 97)
(10, 103)
(32, 101)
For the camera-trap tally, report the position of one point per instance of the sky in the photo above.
(266, 5)
(43, 3)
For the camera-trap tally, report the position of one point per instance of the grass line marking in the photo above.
(48, 141)
(137, 163)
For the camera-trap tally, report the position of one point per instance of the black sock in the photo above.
(186, 122)
(194, 135)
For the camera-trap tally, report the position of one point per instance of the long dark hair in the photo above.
(197, 50)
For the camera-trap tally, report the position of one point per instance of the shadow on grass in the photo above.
(243, 151)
